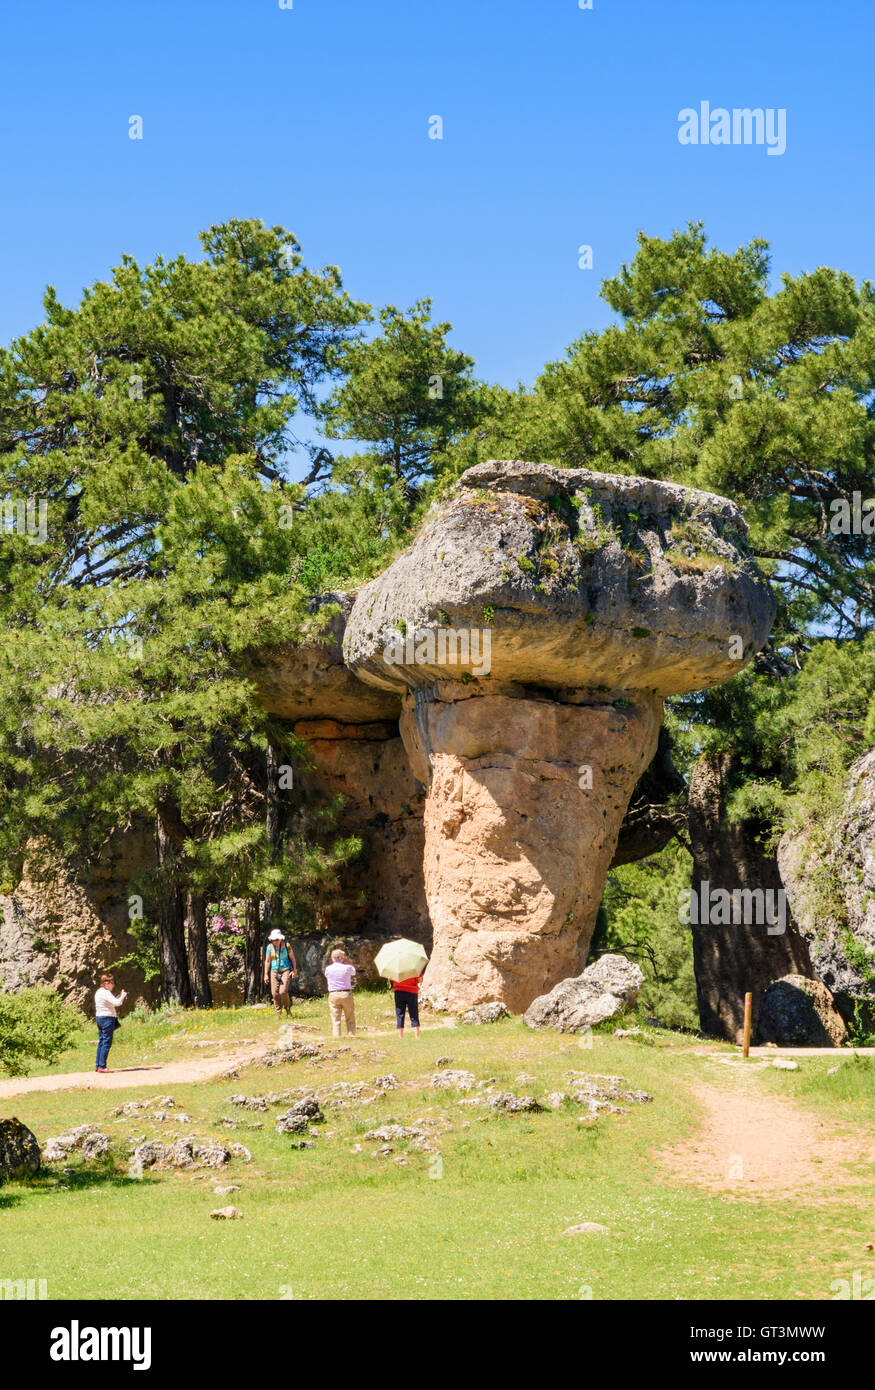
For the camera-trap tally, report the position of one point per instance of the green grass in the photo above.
(842, 1086)
(331, 1223)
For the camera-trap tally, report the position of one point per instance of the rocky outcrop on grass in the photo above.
(188, 1152)
(491, 1012)
(87, 1141)
(299, 1116)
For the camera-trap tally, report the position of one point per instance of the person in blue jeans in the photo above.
(105, 1006)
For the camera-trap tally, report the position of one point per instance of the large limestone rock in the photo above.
(532, 629)
(19, 1150)
(63, 931)
(516, 853)
(831, 889)
(602, 991)
(798, 1012)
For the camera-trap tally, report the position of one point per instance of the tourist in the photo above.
(280, 967)
(407, 997)
(340, 975)
(105, 1006)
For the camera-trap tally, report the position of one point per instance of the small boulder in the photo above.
(87, 1139)
(604, 989)
(446, 1080)
(554, 1099)
(188, 1152)
(514, 1105)
(211, 1154)
(249, 1102)
(797, 1012)
(391, 1134)
(298, 1116)
(226, 1214)
(291, 1123)
(19, 1150)
(587, 1228)
(485, 1013)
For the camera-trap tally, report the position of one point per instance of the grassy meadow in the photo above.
(339, 1221)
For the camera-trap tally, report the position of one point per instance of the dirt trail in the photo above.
(169, 1073)
(155, 1074)
(758, 1145)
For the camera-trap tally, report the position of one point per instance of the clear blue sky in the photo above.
(560, 128)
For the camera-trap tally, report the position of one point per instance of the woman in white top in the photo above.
(105, 1005)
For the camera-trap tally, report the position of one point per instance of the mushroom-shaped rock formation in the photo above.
(533, 628)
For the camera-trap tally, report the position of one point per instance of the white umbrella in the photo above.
(401, 960)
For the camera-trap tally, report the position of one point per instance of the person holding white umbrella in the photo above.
(402, 963)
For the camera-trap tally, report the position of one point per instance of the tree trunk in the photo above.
(731, 958)
(198, 962)
(254, 963)
(272, 905)
(175, 983)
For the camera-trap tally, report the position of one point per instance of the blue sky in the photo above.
(560, 128)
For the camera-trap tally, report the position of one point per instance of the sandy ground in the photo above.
(766, 1146)
(170, 1073)
(192, 1069)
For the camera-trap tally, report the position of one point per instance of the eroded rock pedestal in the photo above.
(533, 628)
(525, 801)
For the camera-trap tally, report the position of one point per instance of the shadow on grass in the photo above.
(104, 1171)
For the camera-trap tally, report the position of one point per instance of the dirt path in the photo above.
(164, 1074)
(169, 1073)
(758, 1145)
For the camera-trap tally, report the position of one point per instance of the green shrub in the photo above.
(35, 1026)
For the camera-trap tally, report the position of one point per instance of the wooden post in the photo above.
(748, 1002)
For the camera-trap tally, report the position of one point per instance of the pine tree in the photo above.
(154, 422)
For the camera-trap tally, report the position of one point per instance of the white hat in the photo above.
(275, 935)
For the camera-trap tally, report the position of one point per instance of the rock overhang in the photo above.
(310, 680)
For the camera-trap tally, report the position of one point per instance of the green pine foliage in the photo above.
(639, 917)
